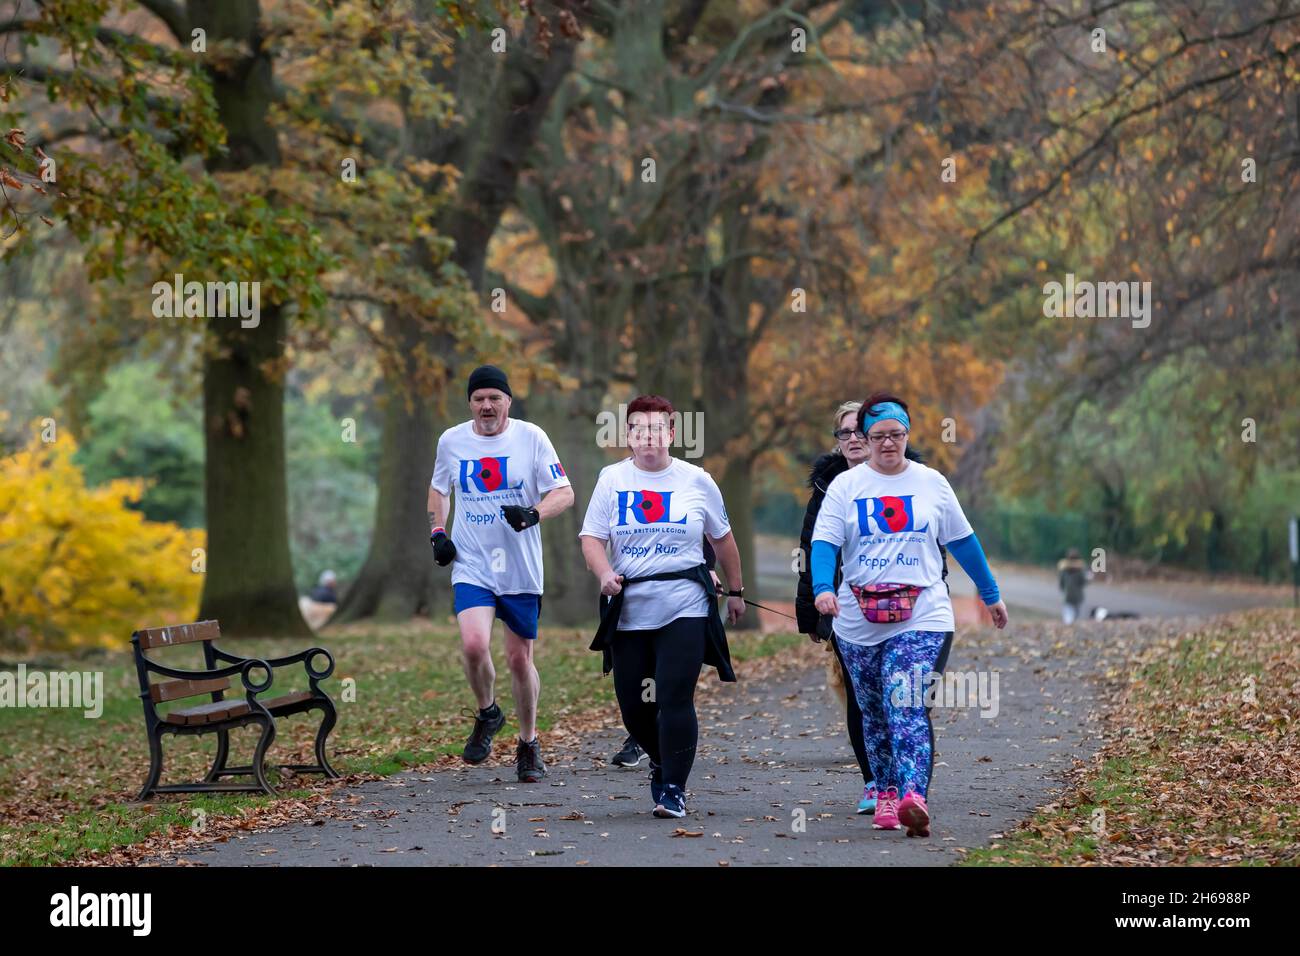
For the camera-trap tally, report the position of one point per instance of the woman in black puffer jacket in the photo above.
(851, 450)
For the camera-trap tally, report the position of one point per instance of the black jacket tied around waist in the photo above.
(716, 653)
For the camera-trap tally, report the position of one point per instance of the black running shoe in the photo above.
(486, 724)
(528, 762)
(630, 755)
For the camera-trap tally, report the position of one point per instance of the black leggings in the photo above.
(939, 665)
(660, 715)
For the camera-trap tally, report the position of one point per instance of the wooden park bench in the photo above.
(220, 715)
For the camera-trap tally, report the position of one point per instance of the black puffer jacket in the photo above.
(825, 470)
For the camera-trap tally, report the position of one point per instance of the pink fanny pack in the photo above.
(886, 603)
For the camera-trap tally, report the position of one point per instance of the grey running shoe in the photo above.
(528, 762)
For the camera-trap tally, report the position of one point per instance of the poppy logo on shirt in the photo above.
(646, 507)
(892, 515)
(487, 474)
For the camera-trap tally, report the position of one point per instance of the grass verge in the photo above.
(1201, 763)
(68, 783)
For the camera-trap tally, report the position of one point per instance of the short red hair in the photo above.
(650, 403)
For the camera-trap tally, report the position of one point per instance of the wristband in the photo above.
(434, 531)
(740, 593)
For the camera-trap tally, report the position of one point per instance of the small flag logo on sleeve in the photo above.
(557, 471)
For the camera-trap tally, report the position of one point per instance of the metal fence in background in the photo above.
(1042, 538)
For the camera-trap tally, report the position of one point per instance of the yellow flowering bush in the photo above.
(78, 567)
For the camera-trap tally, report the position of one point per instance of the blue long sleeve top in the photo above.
(968, 551)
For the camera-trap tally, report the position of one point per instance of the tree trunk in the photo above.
(249, 583)
(726, 389)
(398, 578)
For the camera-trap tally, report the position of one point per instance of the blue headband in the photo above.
(886, 411)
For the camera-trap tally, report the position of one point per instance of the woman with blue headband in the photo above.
(850, 451)
(893, 616)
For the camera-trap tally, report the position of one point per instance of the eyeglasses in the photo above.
(879, 438)
(843, 434)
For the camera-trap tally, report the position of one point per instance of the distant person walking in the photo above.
(1072, 577)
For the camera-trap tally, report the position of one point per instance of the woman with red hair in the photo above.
(661, 625)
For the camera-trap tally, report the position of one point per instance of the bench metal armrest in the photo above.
(243, 669)
(303, 657)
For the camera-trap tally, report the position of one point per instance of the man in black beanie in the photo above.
(507, 479)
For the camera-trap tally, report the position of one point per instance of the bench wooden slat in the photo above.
(178, 634)
(284, 701)
(207, 713)
(228, 709)
(176, 689)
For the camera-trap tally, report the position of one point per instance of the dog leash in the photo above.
(771, 610)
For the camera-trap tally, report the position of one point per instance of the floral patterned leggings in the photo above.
(896, 724)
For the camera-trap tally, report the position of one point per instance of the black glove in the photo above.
(444, 552)
(519, 517)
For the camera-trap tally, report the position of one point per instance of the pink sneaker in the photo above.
(914, 815)
(886, 817)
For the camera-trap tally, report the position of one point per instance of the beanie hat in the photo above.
(488, 376)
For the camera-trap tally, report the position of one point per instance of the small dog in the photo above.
(835, 674)
(1101, 614)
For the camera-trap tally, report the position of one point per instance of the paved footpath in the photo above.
(774, 781)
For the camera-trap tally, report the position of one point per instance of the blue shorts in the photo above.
(519, 612)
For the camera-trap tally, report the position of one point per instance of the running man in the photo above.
(507, 479)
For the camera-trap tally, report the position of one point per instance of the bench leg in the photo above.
(326, 725)
(155, 763)
(329, 717)
(219, 762)
(259, 756)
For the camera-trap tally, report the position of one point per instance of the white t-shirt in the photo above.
(516, 467)
(654, 521)
(889, 528)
